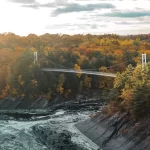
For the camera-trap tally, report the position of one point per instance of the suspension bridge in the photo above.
(79, 71)
(83, 71)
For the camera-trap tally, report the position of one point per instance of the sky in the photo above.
(123, 17)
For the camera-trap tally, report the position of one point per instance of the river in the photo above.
(55, 132)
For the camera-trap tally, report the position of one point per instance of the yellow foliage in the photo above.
(22, 82)
(60, 89)
(103, 69)
(87, 81)
(14, 91)
(46, 50)
(34, 82)
(105, 82)
(19, 49)
(76, 53)
(81, 59)
(32, 49)
(77, 68)
(5, 92)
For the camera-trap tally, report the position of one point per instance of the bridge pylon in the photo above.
(143, 60)
(35, 58)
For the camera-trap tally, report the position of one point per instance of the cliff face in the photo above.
(117, 132)
(13, 103)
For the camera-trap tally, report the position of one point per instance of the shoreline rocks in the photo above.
(29, 113)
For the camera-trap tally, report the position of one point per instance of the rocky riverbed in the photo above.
(51, 132)
(58, 126)
(46, 129)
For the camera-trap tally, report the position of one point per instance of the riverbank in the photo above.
(117, 132)
(29, 114)
(14, 103)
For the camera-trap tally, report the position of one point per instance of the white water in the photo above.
(18, 135)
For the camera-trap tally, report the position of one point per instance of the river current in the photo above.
(44, 133)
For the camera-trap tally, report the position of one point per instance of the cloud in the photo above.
(22, 1)
(61, 1)
(129, 14)
(124, 23)
(58, 26)
(68, 7)
(74, 7)
(79, 25)
(34, 6)
(56, 3)
(132, 22)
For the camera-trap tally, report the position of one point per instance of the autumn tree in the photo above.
(133, 86)
(61, 81)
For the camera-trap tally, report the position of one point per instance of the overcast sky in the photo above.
(75, 16)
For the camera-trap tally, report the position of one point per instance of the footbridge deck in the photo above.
(79, 71)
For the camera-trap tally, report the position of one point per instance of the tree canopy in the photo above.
(110, 53)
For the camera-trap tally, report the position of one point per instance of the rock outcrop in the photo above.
(117, 132)
(54, 138)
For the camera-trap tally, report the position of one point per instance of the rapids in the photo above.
(55, 132)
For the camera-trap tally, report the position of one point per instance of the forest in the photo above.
(20, 77)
